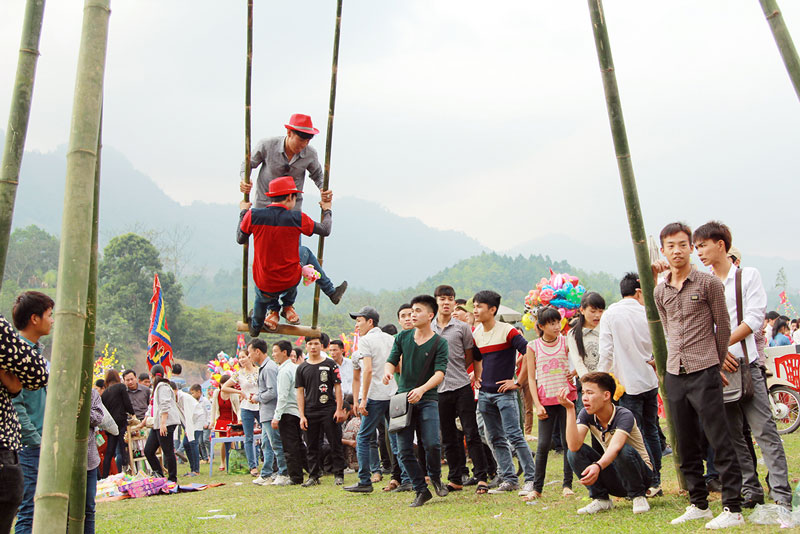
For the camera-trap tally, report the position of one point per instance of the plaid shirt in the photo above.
(689, 316)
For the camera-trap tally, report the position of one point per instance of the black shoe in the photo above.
(441, 491)
(252, 330)
(713, 485)
(403, 487)
(751, 502)
(336, 296)
(470, 481)
(421, 498)
(359, 488)
(312, 481)
(494, 481)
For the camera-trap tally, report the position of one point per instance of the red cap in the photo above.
(301, 123)
(282, 186)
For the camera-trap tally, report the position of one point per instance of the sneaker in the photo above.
(348, 471)
(336, 296)
(272, 477)
(494, 481)
(526, 489)
(338, 481)
(597, 505)
(421, 498)
(640, 505)
(282, 480)
(655, 491)
(692, 512)
(261, 481)
(312, 481)
(504, 487)
(666, 451)
(726, 519)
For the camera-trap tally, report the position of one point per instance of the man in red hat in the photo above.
(291, 155)
(276, 233)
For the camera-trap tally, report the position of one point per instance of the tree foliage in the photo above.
(32, 258)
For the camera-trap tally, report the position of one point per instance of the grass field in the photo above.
(329, 509)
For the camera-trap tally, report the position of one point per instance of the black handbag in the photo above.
(740, 382)
(399, 407)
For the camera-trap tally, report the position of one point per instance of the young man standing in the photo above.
(319, 403)
(424, 355)
(144, 380)
(624, 469)
(499, 344)
(33, 317)
(374, 347)
(626, 350)
(287, 417)
(713, 241)
(139, 395)
(404, 317)
(336, 352)
(267, 398)
(695, 317)
(456, 399)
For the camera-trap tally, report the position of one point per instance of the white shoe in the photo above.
(527, 489)
(726, 519)
(280, 480)
(261, 481)
(272, 477)
(597, 505)
(693, 512)
(640, 505)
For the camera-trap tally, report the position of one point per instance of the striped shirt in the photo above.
(499, 347)
(552, 366)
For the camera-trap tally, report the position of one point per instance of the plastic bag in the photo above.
(237, 463)
(772, 514)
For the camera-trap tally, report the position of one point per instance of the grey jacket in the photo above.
(267, 390)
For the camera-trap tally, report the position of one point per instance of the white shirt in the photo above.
(754, 302)
(375, 344)
(626, 347)
(346, 371)
(796, 337)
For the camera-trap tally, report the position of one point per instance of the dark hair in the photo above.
(100, 383)
(793, 321)
(157, 372)
(195, 387)
(426, 300)
(776, 328)
(258, 344)
(545, 316)
(389, 329)
(127, 372)
(313, 337)
(27, 304)
(488, 297)
(715, 231)
(143, 376)
(173, 385)
(772, 315)
(338, 342)
(595, 300)
(112, 377)
(603, 380)
(402, 307)
(283, 346)
(223, 379)
(297, 351)
(302, 135)
(784, 317)
(281, 198)
(675, 228)
(629, 284)
(177, 369)
(444, 291)
(325, 339)
(461, 302)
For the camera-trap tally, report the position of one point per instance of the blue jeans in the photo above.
(249, 418)
(192, 449)
(425, 415)
(271, 302)
(645, 409)
(274, 438)
(500, 413)
(29, 462)
(404, 478)
(266, 451)
(205, 443)
(367, 443)
(91, 490)
(627, 476)
(307, 258)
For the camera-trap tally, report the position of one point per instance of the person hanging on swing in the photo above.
(276, 233)
(291, 155)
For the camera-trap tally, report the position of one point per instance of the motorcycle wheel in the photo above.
(790, 398)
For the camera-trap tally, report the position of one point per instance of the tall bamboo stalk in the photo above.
(328, 142)
(18, 121)
(783, 40)
(247, 84)
(55, 469)
(77, 494)
(631, 195)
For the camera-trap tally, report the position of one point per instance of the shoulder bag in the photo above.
(399, 407)
(740, 382)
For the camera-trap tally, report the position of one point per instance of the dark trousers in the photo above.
(91, 491)
(113, 445)
(627, 476)
(460, 403)
(319, 425)
(294, 450)
(699, 395)
(645, 409)
(383, 447)
(11, 488)
(426, 414)
(29, 462)
(155, 440)
(547, 428)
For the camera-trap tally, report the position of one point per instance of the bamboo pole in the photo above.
(328, 143)
(77, 495)
(55, 469)
(631, 195)
(784, 41)
(247, 84)
(17, 128)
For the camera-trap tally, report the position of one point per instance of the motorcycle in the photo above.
(784, 397)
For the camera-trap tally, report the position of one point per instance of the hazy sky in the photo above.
(483, 117)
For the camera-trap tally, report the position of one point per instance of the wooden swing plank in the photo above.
(284, 329)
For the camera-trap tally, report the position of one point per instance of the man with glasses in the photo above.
(291, 155)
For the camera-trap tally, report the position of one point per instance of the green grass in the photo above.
(329, 509)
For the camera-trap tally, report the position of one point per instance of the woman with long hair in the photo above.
(166, 418)
(224, 411)
(116, 400)
(583, 339)
(247, 380)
